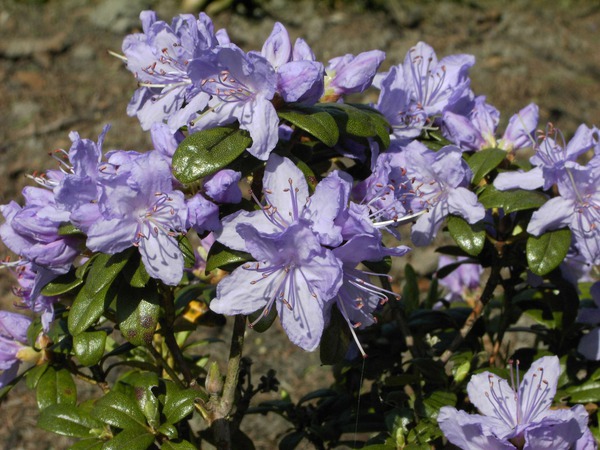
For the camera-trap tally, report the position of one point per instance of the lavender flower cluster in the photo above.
(305, 242)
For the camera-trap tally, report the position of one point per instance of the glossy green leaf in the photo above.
(143, 384)
(208, 151)
(62, 284)
(189, 258)
(264, 323)
(178, 402)
(484, 161)
(68, 420)
(469, 237)
(33, 376)
(169, 431)
(68, 229)
(315, 120)
(137, 313)
(87, 444)
(436, 400)
(335, 340)
(120, 410)
(182, 445)
(586, 393)
(89, 347)
(135, 272)
(511, 201)
(130, 439)
(546, 252)
(380, 124)
(96, 294)
(56, 386)
(221, 257)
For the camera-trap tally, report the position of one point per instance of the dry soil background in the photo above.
(57, 76)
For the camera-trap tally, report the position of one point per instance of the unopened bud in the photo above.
(214, 381)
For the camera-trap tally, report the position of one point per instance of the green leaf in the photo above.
(130, 439)
(178, 402)
(291, 441)
(410, 292)
(87, 444)
(67, 420)
(169, 431)
(189, 258)
(221, 257)
(546, 252)
(96, 294)
(315, 120)
(135, 272)
(208, 151)
(437, 400)
(484, 161)
(264, 323)
(511, 201)
(33, 376)
(469, 238)
(62, 284)
(120, 410)
(68, 229)
(89, 347)
(335, 339)
(361, 122)
(586, 393)
(56, 386)
(380, 124)
(137, 313)
(182, 445)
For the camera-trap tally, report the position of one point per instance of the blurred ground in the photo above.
(56, 76)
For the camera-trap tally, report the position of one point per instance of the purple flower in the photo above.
(351, 74)
(241, 87)
(293, 271)
(414, 93)
(478, 130)
(515, 417)
(577, 207)
(299, 77)
(358, 298)
(139, 207)
(13, 338)
(32, 231)
(160, 58)
(223, 186)
(463, 282)
(439, 181)
(552, 155)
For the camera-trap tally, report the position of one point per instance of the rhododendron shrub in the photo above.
(269, 197)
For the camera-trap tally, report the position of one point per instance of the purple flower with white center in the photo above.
(464, 282)
(32, 231)
(577, 207)
(589, 345)
(299, 77)
(139, 207)
(160, 58)
(351, 74)
(515, 415)
(358, 298)
(478, 130)
(13, 338)
(414, 93)
(241, 87)
(552, 155)
(439, 181)
(293, 270)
